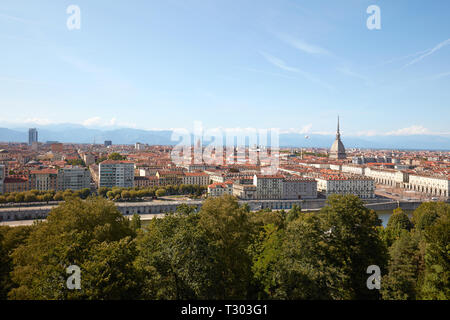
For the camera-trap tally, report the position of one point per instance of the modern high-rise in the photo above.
(32, 136)
(337, 150)
(116, 173)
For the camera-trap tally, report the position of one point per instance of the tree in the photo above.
(436, 284)
(294, 213)
(354, 242)
(398, 222)
(116, 156)
(305, 267)
(401, 281)
(160, 192)
(91, 234)
(428, 212)
(135, 222)
(10, 239)
(228, 229)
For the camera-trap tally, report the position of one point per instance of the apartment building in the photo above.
(74, 178)
(43, 180)
(116, 173)
(339, 184)
(195, 178)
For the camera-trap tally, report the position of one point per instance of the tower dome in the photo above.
(337, 150)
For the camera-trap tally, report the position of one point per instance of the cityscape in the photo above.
(266, 157)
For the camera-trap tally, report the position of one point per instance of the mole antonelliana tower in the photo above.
(337, 150)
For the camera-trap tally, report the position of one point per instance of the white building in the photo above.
(116, 173)
(431, 185)
(218, 189)
(389, 177)
(358, 185)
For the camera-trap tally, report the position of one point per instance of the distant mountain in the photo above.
(73, 133)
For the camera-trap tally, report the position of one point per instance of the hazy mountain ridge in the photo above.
(69, 133)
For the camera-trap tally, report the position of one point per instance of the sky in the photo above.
(287, 64)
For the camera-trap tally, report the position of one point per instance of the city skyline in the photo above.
(284, 65)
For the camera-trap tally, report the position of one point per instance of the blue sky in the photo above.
(293, 65)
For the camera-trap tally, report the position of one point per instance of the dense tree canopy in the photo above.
(226, 251)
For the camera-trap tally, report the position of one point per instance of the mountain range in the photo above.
(73, 133)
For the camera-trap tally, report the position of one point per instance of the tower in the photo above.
(337, 150)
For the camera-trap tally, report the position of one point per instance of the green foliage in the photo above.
(224, 251)
(401, 281)
(91, 234)
(116, 156)
(76, 162)
(398, 222)
(428, 212)
(436, 284)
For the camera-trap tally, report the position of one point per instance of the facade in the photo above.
(244, 191)
(433, 186)
(74, 178)
(337, 150)
(15, 184)
(43, 180)
(32, 136)
(358, 185)
(389, 177)
(299, 188)
(218, 189)
(116, 173)
(2, 177)
(108, 143)
(146, 182)
(170, 177)
(268, 186)
(195, 178)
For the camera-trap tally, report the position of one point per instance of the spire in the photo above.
(338, 134)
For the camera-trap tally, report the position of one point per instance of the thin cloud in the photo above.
(279, 63)
(282, 65)
(413, 130)
(429, 52)
(303, 45)
(351, 73)
(8, 17)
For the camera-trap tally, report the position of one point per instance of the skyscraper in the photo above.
(32, 136)
(337, 150)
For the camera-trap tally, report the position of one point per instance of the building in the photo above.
(167, 177)
(268, 186)
(218, 189)
(32, 136)
(342, 184)
(430, 185)
(244, 191)
(57, 147)
(337, 150)
(388, 177)
(108, 143)
(299, 188)
(2, 177)
(74, 178)
(15, 184)
(146, 182)
(116, 173)
(43, 180)
(195, 178)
